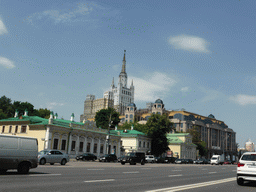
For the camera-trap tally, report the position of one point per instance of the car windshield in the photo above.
(131, 154)
(214, 158)
(249, 157)
(43, 152)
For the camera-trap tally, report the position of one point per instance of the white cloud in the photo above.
(184, 89)
(53, 104)
(3, 29)
(6, 63)
(65, 15)
(151, 87)
(189, 43)
(244, 99)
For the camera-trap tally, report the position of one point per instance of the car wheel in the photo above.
(52, 163)
(83, 159)
(142, 162)
(23, 168)
(123, 163)
(63, 162)
(240, 181)
(131, 162)
(42, 162)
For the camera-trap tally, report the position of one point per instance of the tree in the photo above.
(157, 128)
(2, 114)
(6, 106)
(196, 139)
(102, 118)
(44, 113)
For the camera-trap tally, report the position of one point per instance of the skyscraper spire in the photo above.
(132, 83)
(113, 85)
(124, 63)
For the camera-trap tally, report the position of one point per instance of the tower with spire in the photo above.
(122, 95)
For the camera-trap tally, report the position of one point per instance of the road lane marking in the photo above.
(43, 175)
(212, 172)
(95, 169)
(146, 168)
(197, 185)
(176, 170)
(132, 172)
(91, 181)
(204, 169)
(174, 175)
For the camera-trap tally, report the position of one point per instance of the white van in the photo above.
(18, 153)
(217, 159)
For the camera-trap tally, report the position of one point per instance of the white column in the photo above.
(104, 147)
(92, 145)
(47, 134)
(69, 145)
(85, 144)
(98, 148)
(77, 145)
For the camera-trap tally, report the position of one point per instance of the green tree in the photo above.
(6, 106)
(196, 139)
(102, 118)
(44, 113)
(157, 128)
(2, 114)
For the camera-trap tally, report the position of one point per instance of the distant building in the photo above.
(249, 146)
(119, 97)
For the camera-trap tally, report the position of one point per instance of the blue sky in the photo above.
(196, 55)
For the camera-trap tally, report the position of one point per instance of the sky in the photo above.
(197, 55)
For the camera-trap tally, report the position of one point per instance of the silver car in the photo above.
(52, 156)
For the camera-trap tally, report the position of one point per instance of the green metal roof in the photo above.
(128, 133)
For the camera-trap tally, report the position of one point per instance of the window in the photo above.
(144, 144)
(23, 129)
(181, 125)
(130, 120)
(81, 146)
(95, 148)
(101, 148)
(159, 113)
(131, 116)
(58, 153)
(63, 145)
(16, 129)
(154, 113)
(148, 145)
(88, 147)
(126, 116)
(131, 108)
(140, 144)
(10, 129)
(159, 106)
(55, 143)
(73, 146)
(3, 129)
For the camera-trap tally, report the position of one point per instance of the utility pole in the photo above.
(108, 136)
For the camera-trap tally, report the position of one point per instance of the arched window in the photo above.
(159, 106)
(131, 116)
(126, 116)
(154, 113)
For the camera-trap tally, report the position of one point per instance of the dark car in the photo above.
(180, 161)
(133, 158)
(189, 161)
(108, 158)
(165, 159)
(86, 157)
(201, 161)
(122, 159)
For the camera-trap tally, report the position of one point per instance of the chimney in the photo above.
(51, 117)
(16, 113)
(116, 128)
(56, 116)
(26, 112)
(72, 117)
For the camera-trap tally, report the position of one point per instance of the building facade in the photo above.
(181, 146)
(70, 137)
(118, 97)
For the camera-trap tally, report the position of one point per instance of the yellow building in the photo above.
(70, 137)
(181, 145)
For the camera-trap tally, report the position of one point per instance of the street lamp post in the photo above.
(108, 137)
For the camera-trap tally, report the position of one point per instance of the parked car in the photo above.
(189, 161)
(227, 162)
(108, 158)
(159, 159)
(246, 168)
(170, 159)
(180, 161)
(234, 162)
(133, 158)
(52, 156)
(18, 153)
(86, 156)
(150, 159)
(122, 159)
(208, 161)
(200, 161)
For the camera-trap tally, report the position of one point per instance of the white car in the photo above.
(52, 156)
(246, 168)
(150, 159)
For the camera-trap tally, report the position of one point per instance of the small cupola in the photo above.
(72, 117)
(16, 113)
(26, 112)
(56, 116)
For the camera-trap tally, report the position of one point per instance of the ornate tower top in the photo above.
(124, 62)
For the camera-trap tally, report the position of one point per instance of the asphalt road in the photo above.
(96, 176)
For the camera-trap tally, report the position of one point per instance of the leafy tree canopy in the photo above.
(157, 128)
(102, 118)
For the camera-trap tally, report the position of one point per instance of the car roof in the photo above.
(249, 153)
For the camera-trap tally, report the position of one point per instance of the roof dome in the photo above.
(132, 105)
(211, 116)
(159, 101)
